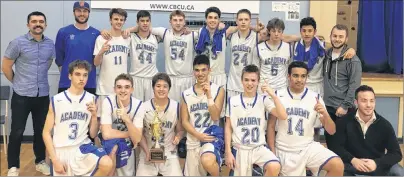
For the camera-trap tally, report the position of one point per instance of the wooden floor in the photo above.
(28, 168)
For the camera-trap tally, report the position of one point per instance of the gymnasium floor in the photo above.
(28, 167)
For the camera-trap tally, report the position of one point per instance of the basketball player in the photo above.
(111, 55)
(273, 56)
(178, 52)
(311, 50)
(242, 45)
(294, 143)
(117, 120)
(201, 106)
(72, 113)
(168, 111)
(208, 35)
(245, 127)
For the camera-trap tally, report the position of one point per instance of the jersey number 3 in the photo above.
(73, 127)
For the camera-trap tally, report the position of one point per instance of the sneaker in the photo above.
(13, 171)
(43, 168)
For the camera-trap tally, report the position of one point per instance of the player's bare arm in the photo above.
(324, 117)
(135, 133)
(271, 132)
(230, 160)
(7, 68)
(214, 106)
(279, 110)
(179, 132)
(143, 145)
(109, 133)
(47, 138)
(188, 126)
(94, 126)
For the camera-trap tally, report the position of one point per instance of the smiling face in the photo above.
(338, 38)
(161, 89)
(81, 15)
(297, 78)
(177, 23)
(250, 82)
(36, 24)
(123, 89)
(144, 24)
(201, 73)
(117, 21)
(366, 103)
(212, 20)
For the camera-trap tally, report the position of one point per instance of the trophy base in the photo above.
(157, 155)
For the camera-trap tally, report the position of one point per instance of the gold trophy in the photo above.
(157, 154)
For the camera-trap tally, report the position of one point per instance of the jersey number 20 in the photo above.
(250, 135)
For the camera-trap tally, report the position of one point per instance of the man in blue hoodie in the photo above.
(341, 77)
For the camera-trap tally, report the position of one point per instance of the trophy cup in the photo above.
(157, 154)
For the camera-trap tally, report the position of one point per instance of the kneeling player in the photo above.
(295, 145)
(121, 125)
(201, 106)
(71, 115)
(245, 127)
(167, 111)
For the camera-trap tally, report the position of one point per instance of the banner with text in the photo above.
(187, 6)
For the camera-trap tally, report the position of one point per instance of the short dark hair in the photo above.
(124, 76)
(363, 88)
(307, 22)
(143, 13)
(297, 64)
(161, 76)
(213, 9)
(340, 27)
(35, 13)
(118, 11)
(251, 69)
(244, 11)
(79, 64)
(201, 59)
(275, 23)
(177, 13)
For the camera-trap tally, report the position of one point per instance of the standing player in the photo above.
(201, 106)
(312, 51)
(294, 144)
(71, 115)
(111, 55)
(168, 111)
(121, 115)
(273, 56)
(245, 127)
(242, 45)
(212, 43)
(178, 52)
(143, 53)
(76, 41)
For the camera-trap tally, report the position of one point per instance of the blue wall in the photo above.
(60, 13)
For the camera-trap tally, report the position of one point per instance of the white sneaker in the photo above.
(43, 168)
(13, 171)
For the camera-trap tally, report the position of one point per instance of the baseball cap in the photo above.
(81, 4)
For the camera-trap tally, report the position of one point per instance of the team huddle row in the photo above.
(153, 110)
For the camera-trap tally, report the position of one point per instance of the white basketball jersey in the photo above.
(247, 116)
(297, 131)
(114, 62)
(199, 115)
(217, 61)
(108, 115)
(170, 115)
(274, 64)
(144, 55)
(242, 50)
(316, 74)
(179, 53)
(71, 118)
